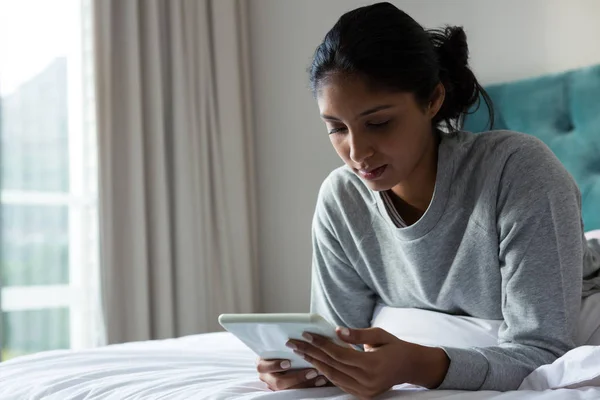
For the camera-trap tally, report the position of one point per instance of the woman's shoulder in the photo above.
(520, 161)
(500, 141)
(495, 150)
(524, 152)
(502, 161)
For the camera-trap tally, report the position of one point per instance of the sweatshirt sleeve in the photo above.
(541, 247)
(338, 293)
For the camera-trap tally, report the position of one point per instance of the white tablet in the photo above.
(267, 334)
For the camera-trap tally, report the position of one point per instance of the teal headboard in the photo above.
(563, 110)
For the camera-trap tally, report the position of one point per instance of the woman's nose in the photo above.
(360, 148)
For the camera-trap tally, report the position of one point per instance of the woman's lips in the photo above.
(372, 174)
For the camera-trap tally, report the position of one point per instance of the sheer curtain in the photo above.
(176, 166)
(49, 245)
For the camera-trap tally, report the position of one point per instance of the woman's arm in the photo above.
(541, 249)
(338, 293)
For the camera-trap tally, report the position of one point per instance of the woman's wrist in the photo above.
(431, 366)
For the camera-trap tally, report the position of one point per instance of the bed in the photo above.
(563, 110)
(209, 366)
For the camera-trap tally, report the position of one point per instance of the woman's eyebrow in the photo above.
(375, 109)
(362, 114)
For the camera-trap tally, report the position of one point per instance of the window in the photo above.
(49, 235)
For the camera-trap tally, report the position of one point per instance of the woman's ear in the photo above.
(437, 99)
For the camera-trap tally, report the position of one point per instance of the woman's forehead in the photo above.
(348, 97)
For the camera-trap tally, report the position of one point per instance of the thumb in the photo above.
(374, 337)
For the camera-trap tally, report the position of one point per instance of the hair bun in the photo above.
(462, 89)
(452, 46)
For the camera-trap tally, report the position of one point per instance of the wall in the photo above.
(509, 39)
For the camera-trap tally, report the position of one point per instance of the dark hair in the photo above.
(389, 49)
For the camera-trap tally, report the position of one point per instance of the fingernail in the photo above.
(308, 337)
(345, 331)
(291, 345)
(311, 375)
(285, 364)
(320, 382)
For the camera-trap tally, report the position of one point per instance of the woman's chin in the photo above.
(379, 186)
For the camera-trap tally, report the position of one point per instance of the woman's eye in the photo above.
(336, 130)
(378, 124)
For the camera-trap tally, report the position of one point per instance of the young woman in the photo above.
(421, 215)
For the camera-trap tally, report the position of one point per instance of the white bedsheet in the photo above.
(211, 366)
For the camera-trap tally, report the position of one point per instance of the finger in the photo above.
(344, 355)
(319, 381)
(271, 366)
(290, 379)
(374, 337)
(335, 350)
(340, 379)
(349, 366)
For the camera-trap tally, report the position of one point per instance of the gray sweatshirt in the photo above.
(502, 239)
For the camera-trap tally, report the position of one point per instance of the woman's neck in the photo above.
(412, 197)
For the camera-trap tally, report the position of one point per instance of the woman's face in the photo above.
(381, 135)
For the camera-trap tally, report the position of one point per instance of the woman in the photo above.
(485, 225)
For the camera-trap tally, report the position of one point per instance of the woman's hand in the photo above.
(386, 361)
(278, 376)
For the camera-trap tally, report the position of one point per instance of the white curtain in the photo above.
(177, 204)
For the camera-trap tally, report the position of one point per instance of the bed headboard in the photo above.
(563, 110)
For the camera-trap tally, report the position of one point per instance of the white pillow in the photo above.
(430, 328)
